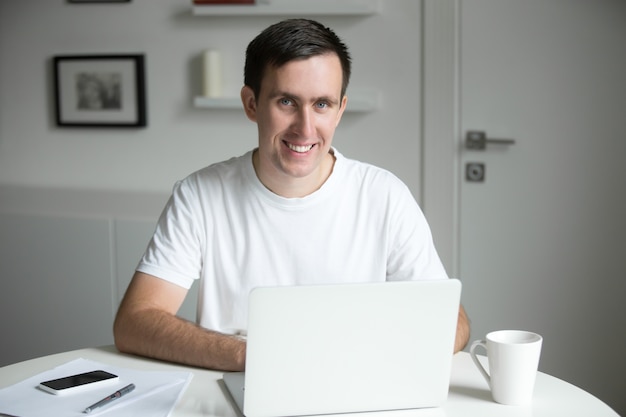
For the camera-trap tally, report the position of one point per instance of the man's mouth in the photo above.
(299, 149)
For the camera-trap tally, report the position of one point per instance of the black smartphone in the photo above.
(79, 382)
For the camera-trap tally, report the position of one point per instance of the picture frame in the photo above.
(100, 90)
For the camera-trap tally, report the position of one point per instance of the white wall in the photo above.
(180, 138)
(77, 205)
(66, 258)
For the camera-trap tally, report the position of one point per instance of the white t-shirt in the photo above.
(223, 227)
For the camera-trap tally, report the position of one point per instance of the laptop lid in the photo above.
(344, 348)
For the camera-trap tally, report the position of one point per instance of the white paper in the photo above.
(24, 399)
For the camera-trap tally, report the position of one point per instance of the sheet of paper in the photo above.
(24, 399)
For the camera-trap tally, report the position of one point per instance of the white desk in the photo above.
(469, 394)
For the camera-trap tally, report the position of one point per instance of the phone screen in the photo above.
(77, 380)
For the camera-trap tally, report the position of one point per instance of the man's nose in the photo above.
(305, 122)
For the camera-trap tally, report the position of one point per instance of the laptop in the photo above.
(347, 348)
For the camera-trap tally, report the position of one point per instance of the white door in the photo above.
(542, 238)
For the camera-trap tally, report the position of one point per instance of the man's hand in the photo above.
(462, 331)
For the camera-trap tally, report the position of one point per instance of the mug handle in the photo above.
(480, 367)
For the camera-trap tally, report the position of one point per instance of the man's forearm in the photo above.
(160, 335)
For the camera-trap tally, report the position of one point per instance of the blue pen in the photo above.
(117, 394)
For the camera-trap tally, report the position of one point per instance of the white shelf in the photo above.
(291, 8)
(357, 103)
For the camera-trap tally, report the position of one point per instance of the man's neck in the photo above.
(289, 187)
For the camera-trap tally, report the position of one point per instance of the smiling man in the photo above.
(293, 211)
(297, 110)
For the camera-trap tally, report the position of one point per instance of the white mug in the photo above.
(513, 357)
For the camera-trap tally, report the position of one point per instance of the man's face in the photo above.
(297, 112)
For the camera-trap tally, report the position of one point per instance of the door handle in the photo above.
(477, 140)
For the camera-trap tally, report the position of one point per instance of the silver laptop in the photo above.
(346, 348)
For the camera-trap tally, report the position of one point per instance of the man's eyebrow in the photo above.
(328, 99)
(278, 93)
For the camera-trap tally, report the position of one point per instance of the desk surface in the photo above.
(469, 393)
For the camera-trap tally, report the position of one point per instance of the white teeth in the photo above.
(299, 149)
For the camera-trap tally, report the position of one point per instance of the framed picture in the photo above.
(100, 90)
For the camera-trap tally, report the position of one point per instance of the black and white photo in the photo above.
(100, 90)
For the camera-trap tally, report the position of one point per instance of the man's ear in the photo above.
(249, 102)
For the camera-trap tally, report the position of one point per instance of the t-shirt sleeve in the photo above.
(412, 254)
(174, 252)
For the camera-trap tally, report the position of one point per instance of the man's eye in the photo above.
(285, 102)
(322, 105)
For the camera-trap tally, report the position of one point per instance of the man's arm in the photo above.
(462, 331)
(146, 324)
